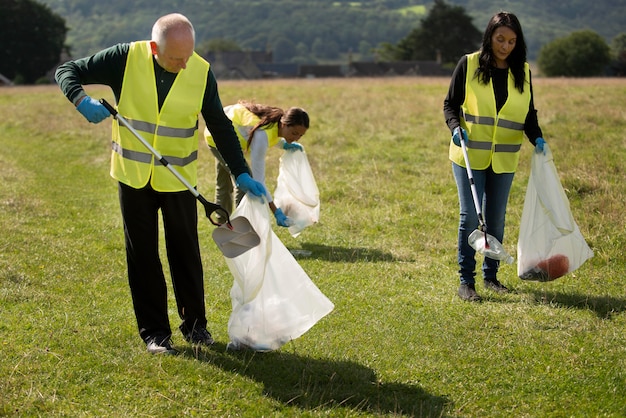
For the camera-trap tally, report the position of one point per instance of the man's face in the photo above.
(173, 56)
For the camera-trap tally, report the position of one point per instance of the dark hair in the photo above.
(517, 58)
(269, 115)
(295, 116)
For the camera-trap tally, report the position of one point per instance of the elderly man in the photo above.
(160, 86)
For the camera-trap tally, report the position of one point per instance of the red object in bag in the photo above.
(549, 269)
(555, 266)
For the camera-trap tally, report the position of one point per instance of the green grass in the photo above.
(399, 342)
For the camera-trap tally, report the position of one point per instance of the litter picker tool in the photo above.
(479, 239)
(234, 237)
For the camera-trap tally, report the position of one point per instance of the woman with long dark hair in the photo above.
(490, 98)
(258, 127)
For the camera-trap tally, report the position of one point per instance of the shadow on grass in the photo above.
(605, 307)
(343, 254)
(318, 384)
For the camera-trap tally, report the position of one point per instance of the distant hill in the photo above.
(320, 30)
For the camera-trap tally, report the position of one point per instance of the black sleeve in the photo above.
(531, 125)
(105, 67)
(456, 95)
(222, 130)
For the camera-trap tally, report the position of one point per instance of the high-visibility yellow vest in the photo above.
(243, 122)
(494, 137)
(171, 131)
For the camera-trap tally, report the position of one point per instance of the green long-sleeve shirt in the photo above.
(107, 67)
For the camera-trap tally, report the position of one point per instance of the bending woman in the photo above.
(258, 128)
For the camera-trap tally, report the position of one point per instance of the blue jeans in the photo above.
(493, 192)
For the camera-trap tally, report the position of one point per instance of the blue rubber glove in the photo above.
(281, 218)
(92, 110)
(539, 143)
(456, 139)
(248, 184)
(293, 146)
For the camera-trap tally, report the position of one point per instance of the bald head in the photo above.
(172, 25)
(173, 41)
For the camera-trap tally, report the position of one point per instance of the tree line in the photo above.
(33, 36)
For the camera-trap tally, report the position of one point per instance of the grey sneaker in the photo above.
(496, 286)
(468, 292)
(199, 336)
(160, 345)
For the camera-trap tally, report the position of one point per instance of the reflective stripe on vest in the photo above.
(152, 129)
(485, 120)
(495, 137)
(243, 121)
(172, 131)
(146, 157)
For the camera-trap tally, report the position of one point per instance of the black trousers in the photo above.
(140, 213)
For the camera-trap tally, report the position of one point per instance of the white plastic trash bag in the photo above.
(296, 191)
(550, 244)
(273, 299)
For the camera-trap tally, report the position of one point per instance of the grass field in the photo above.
(399, 341)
